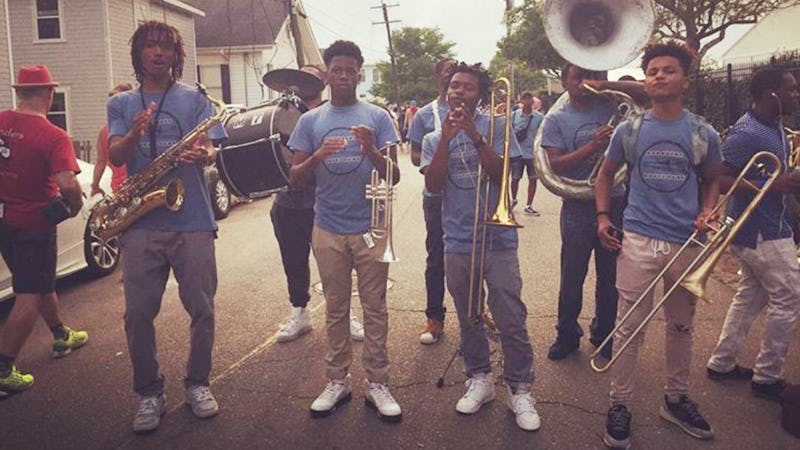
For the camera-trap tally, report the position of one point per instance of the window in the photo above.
(48, 20)
(216, 79)
(361, 76)
(58, 112)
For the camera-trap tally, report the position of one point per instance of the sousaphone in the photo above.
(595, 35)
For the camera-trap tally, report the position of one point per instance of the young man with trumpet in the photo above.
(428, 119)
(764, 247)
(453, 158)
(143, 123)
(575, 137)
(339, 144)
(673, 189)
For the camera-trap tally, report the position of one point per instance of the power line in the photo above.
(386, 22)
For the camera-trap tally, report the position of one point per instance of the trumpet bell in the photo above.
(599, 34)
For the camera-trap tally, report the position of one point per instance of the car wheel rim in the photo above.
(222, 196)
(104, 253)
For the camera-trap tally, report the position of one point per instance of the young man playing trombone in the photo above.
(673, 189)
(764, 246)
(453, 159)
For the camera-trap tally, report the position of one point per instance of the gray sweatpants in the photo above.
(149, 256)
(502, 277)
(770, 280)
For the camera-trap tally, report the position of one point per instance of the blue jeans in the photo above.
(434, 263)
(578, 241)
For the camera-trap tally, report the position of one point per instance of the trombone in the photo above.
(381, 193)
(502, 216)
(696, 274)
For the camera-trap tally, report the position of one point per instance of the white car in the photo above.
(78, 248)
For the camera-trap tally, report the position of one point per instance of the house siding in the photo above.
(83, 77)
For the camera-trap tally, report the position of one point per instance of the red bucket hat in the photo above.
(34, 76)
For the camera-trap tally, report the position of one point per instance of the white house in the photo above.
(369, 76)
(239, 41)
(85, 43)
(775, 33)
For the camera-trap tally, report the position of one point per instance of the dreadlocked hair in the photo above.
(476, 70)
(161, 32)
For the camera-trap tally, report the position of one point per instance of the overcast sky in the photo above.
(475, 26)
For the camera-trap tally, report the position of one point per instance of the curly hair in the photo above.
(476, 70)
(673, 48)
(765, 81)
(162, 32)
(343, 48)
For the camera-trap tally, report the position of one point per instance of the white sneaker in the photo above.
(299, 324)
(480, 390)
(356, 329)
(379, 398)
(151, 408)
(202, 401)
(522, 404)
(336, 392)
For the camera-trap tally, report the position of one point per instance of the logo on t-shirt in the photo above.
(347, 159)
(5, 152)
(665, 166)
(583, 136)
(462, 168)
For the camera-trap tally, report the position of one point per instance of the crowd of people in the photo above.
(677, 168)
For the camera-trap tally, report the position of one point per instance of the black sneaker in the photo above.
(685, 414)
(618, 427)
(737, 373)
(770, 391)
(560, 349)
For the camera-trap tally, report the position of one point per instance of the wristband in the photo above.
(603, 213)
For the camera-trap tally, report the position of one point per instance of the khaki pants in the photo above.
(337, 255)
(639, 262)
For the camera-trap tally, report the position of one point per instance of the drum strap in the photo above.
(437, 120)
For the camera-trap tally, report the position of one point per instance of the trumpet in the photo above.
(381, 193)
(695, 276)
(502, 215)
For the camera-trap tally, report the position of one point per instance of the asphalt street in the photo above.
(265, 388)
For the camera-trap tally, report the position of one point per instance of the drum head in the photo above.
(255, 160)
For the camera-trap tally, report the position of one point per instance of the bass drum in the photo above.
(254, 161)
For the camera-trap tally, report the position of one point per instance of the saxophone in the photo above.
(141, 193)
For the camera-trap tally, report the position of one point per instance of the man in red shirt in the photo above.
(118, 173)
(37, 163)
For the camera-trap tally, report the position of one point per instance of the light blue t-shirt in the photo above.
(184, 107)
(569, 129)
(664, 197)
(426, 120)
(341, 206)
(458, 193)
(519, 122)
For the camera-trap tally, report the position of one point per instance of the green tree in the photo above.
(525, 40)
(523, 77)
(417, 50)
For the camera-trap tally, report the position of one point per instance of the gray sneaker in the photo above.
(202, 402)
(151, 408)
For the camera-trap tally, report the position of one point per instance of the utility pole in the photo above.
(294, 27)
(391, 48)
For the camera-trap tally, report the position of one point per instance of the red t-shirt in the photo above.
(118, 174)
(32, 150)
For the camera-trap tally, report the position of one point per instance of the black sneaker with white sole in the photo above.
(684, 414)
(618, 427)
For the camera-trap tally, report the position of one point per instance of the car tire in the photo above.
(220, 195)
(102, 257)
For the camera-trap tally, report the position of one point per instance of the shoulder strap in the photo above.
(699, 139)
(630, 136)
